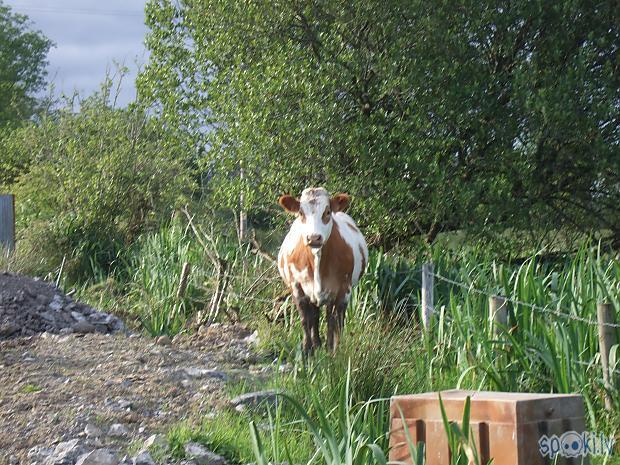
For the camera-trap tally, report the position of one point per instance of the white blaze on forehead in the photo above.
(314, 200)
(313, 203)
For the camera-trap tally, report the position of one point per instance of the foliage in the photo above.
(96, 179)
(23, 54)
(475, 117)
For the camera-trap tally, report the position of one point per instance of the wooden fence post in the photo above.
(7, 222)
(427, 294)
(185, 271)
(498, 313)
(606, 340)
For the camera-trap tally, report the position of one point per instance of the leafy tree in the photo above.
(23, 55)
(474, 116)
(98, 178)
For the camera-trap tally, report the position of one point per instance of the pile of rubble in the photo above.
(29, 306)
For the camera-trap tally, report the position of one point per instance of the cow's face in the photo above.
(314, 211)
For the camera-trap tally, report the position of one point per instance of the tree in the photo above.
(23, 55)
(479, 116)
(98, 177)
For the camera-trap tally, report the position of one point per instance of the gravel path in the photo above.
(53, 386)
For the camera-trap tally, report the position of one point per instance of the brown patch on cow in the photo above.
(336, 266)
(340, 202)
(301, 257)
(289, 203)
(353, 227)
(363, 259)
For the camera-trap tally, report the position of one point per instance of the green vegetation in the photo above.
(482, 137)
(30, 389)
(475, 117)
(23, 54)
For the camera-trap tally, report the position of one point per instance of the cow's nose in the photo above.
(314, 240)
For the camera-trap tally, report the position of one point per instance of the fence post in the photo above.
(7, 222)
(498, 313)
(606, 340)
(427, 294)
(185, 271)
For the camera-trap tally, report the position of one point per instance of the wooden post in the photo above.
(498, 313)
(606, 340)
(243, 217)
(427, 294)
(185, 271)
(7, 222)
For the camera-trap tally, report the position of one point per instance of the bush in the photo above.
(95, 180)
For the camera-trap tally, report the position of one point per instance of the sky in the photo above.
(90, 36)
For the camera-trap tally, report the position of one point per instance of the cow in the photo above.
(321, 258)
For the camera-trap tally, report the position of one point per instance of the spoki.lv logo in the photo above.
(574, 444)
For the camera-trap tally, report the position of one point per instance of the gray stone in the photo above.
(65, 453)
(56, 304)
(8, 329)
(157, 441)
(98, 457)
(39, 453)
(118, 430)
(77, 316)
(201, 455)
(163, 341)
(143, 458)
(83, 327)
(194, 372)
(255, 398)
(93, 431)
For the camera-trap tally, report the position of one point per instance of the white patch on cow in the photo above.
(354, 239)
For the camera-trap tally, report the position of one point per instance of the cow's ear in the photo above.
(289, 203)
(340, 202)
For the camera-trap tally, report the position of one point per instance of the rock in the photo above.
(158, 441)
(92, 431)
(163, 341)
(8, 329)
(56, 304)
(194, 372)
(118, 430)
(124, 404)
(65, 453)
(143, 458)
(39, 453)
(98, 457)
(83, 327)
(254, 398)
(77, 316)
(201, 455)
(65, 331)
(252, 338)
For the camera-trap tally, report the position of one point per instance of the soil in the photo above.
(53, 385)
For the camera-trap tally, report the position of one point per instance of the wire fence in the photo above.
(558, 313)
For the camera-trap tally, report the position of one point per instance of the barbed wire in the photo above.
(593, 363)
(558, 313)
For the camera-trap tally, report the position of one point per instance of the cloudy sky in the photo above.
(90, 36)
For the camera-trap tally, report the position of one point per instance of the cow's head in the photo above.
(314, 211)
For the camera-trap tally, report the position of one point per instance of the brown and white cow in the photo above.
(321, 259)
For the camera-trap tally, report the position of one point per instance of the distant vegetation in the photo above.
(482, 137)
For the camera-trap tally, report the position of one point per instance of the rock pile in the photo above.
(29, 306)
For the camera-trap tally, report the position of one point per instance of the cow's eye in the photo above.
(326, 214)
(302, 216)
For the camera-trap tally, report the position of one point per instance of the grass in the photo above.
(30, 389)
(383, 351)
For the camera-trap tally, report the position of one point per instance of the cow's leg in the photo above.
(306, 314)
(335, 322)
(314, 327)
